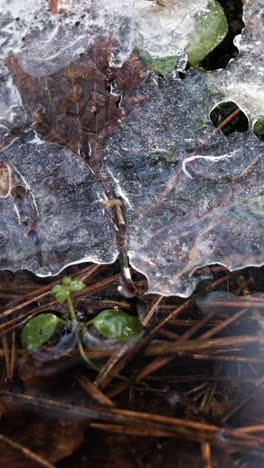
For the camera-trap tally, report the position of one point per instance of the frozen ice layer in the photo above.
(57, 110)
(177, 223)
(174, 31)
(55, 218)
(161, 32)
(242, 82)
(83, 121)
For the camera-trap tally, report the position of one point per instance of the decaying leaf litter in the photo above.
(196, 161)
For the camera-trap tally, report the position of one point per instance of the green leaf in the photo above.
(210, 29)
(76, 285)
(259, 126)
(62, 294)
(158, 65)
(118, 326)
(56, 288)
(68, 285)
(66, 281)
(38, 331)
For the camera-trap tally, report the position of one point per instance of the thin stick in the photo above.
(6, 355)
(169, 334)
(38, 296)
(191, 429)
(93, 391)
(223, 325)
(139, 346)
(219, 127)
(206, 455)
(28, 453)
(13, 354)
(156, 348)
(160, 362)
(250, 429)
(131, 430)
(218, 357)
(238, 407)
(153, 309)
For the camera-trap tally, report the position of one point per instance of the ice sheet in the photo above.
(74, 94)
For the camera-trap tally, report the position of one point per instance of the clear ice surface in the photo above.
(184, 208)
(60, 220)
(146, 25)
(242, 81)
(179, 220)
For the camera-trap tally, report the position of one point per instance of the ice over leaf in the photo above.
(57, 218)
(162, 33)
(165, 32)
(66, 85)
(50, 198)
(199, 210)
(93, 108)
(207, 207)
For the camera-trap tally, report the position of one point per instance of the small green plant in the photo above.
(114, 324)
(63, 292)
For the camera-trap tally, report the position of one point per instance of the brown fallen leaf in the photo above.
(71, 100)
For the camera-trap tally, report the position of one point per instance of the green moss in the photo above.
(210, 29)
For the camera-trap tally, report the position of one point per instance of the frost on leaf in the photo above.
(191, 196)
